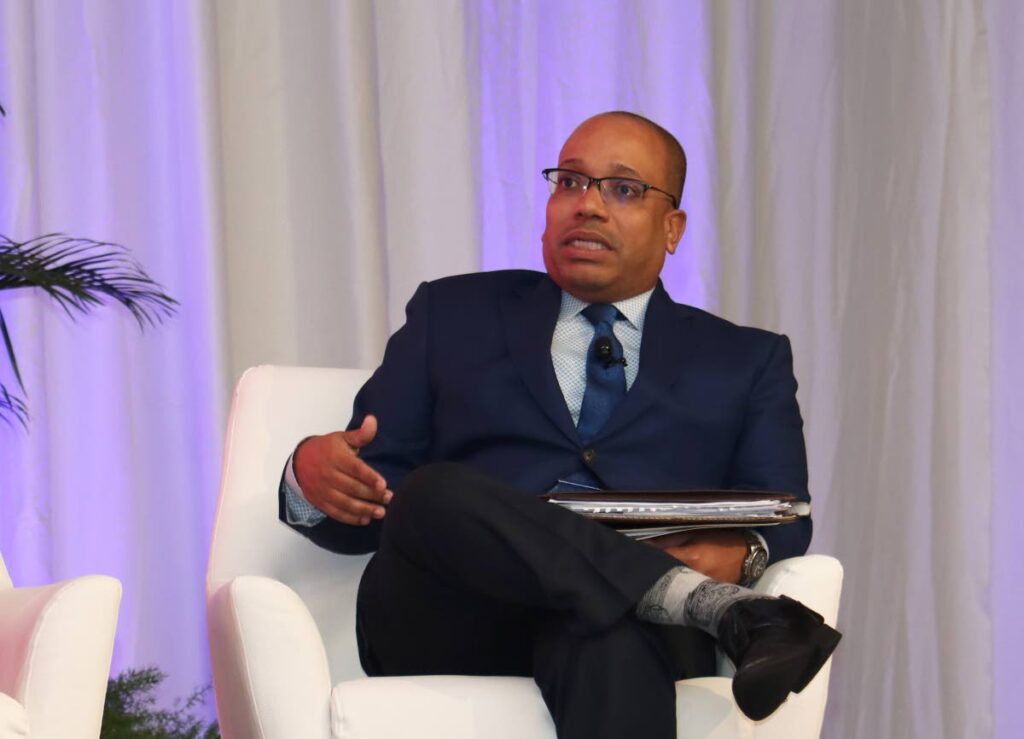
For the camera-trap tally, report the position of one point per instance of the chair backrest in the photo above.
(272, 410)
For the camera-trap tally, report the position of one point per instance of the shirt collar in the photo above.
(634, 308)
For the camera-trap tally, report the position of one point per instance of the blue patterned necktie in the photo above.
(606, 376)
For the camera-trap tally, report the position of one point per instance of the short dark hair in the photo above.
(676, 164)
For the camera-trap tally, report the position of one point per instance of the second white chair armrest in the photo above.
(13, 719)
(57, 641)
(815, 580)
(271, 670)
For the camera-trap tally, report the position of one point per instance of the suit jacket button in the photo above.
(589, 455)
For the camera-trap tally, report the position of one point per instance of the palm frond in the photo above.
(9, 345)
(79, 274)
(12, 405)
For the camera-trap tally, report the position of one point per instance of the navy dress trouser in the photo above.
(473, 577)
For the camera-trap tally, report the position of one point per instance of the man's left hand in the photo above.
(717, 553)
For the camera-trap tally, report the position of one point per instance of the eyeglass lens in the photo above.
(619, 190)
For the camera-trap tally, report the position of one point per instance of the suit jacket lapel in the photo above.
(667, 342)
(528, 318)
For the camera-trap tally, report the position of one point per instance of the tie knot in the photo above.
(601, 313)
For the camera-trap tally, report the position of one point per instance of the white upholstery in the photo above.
(55, 647)
(13, 719)
(282, 611)
(500, 708)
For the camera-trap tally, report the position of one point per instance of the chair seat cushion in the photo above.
(13, 719)
(459, 707)
(449, 706)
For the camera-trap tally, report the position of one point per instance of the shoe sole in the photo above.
(824, 641)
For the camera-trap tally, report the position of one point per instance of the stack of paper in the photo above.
(647, 513)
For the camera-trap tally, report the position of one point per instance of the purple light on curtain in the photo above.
(109, 134)
(551, 66)
(1007, 601)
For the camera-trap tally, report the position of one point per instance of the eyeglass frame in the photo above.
(598, 180)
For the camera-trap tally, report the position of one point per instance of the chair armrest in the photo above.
(816, 580)
(271, 674)
(55, 647)
(13, 720)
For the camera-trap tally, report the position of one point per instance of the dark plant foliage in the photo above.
(79, 274)
(130, 710)
(12, 405)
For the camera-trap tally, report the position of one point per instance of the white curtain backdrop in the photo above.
(291, 171)
(111, 134)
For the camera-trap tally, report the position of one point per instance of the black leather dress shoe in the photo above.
(778, 645)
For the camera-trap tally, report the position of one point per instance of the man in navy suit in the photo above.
(504, 385)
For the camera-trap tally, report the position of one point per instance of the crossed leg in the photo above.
(474, 577)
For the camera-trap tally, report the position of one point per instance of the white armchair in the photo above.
(281, 611)
(55, 647)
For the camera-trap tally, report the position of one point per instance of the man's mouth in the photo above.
(586, 241)
(586, 245)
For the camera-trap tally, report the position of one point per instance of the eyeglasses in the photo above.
(614, 190)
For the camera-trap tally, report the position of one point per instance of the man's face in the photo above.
(602, 252)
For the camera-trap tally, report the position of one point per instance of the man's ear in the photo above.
(675, 225)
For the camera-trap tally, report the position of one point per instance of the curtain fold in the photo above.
(291, 171)
(349, 172)
(109, 135)
(1006, 255)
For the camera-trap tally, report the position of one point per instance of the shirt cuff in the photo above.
(297, 510)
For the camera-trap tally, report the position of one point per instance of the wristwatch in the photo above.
(756, 561)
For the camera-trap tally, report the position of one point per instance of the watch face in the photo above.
(756, 561)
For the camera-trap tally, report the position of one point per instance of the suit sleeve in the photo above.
(770, 453)
(399, 395)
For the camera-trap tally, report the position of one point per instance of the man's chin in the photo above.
(587, 287)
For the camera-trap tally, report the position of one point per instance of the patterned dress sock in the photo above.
(684, 597)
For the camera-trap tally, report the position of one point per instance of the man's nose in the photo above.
(591, 203)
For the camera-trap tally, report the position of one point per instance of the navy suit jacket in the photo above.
(469, 378)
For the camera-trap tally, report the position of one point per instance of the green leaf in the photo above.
(130, 710)
(12, 405)
(81, 273)
(78, 274)
(10, 350)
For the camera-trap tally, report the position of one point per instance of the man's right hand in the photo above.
(336, 481)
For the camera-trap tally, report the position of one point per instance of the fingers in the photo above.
(353, 493)
(350, 510)
(716, 554)
(683, 554)
(350, 501)
(693, 558)
(353, 487)
(665, 541)
(336, 481)
(358, 478)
